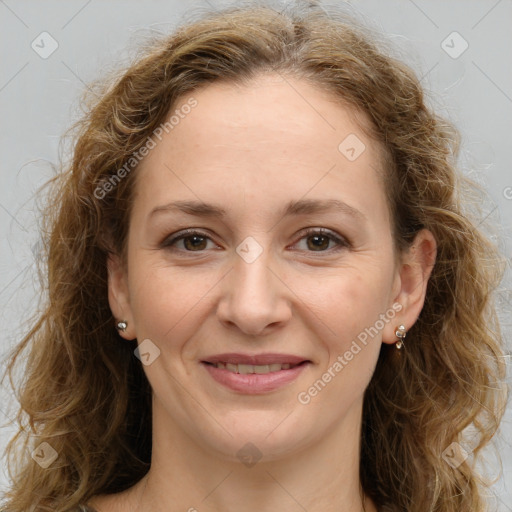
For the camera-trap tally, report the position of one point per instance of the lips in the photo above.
(255, 359)
(254, 374)
(253, 368)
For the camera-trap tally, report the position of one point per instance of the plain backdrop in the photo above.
(51, 50)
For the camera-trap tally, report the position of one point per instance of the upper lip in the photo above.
(255, 359)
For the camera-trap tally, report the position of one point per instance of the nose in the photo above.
(254, 298)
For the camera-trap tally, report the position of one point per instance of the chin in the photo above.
(255, 435)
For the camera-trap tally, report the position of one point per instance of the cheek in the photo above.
(346, 303)
(352, 306)
(166, 300)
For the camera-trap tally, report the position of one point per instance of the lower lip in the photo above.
(254, 383)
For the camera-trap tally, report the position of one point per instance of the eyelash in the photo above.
(342, 242)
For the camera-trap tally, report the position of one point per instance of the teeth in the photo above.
(253, 368)
(245, 368)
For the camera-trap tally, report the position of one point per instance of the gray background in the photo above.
(39, 101)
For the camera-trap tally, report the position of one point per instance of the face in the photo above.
(277, 254)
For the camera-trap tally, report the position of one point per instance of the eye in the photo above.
(319, 239)
(193, 241)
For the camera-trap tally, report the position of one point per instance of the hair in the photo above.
(85, 393)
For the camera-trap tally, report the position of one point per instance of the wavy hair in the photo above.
(85, 393)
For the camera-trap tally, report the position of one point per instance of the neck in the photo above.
(323, 477)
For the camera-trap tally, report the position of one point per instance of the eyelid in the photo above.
(340, 240)
(184, 233)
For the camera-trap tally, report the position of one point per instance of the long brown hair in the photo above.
(84, 392)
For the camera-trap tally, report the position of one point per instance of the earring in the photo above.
(122, 325)
(400, 333)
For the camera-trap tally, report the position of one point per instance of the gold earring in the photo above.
(400, 333)
(122, 325)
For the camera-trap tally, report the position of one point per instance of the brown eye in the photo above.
(193, 241)
(318, 240)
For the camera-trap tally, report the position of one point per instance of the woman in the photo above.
(263, 291)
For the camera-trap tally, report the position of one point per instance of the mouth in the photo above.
(246, 369)
(254, 374)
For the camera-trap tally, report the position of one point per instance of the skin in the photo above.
(251, 149)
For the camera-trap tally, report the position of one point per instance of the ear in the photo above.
(410, 285)
(118, 295)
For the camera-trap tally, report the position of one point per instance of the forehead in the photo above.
(277, 133)
(267, 107)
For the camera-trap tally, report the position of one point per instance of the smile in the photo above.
(253, 368)
(254, 379)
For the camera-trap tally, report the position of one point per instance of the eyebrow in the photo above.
(299, 207)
